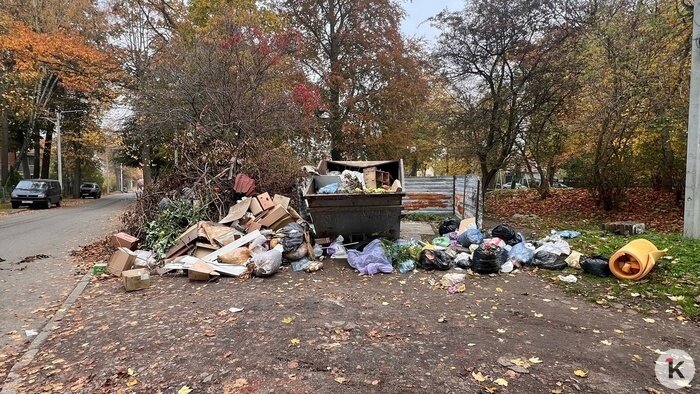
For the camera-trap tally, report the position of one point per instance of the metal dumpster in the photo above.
(355, 216)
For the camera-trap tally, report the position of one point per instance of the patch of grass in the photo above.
(677, 274)
(427, 217)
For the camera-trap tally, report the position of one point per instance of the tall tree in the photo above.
(491, 52)
(354, 49)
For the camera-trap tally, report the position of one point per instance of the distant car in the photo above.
(37, 192)
(559, 185)
(90, 189)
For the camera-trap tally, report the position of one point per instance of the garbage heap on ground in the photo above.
(257, 236)
(260, 234)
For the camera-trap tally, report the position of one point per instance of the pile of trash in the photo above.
(257, 237)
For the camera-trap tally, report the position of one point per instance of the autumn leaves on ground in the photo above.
(335, 331)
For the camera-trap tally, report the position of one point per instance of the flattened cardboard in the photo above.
(265, 201)
(201, 271)
(237, 211)
(228, 237)
(121, 260)
(281, 200)
(124, 240)
(230, 247)
(137, 279)
(466, 224)
(183, 242)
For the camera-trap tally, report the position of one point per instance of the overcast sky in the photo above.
(417, 11)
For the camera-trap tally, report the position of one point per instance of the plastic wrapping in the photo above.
(407, 266)
(333, 188)
(268, 262)
(549, 260)
(463, 260)
(371, 260)
(442, 241)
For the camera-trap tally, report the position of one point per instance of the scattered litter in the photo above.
(235, 310)
(568, 278)
(371, 260)
(30, 333)
(434, 260)
(596, 265)
(635, 260)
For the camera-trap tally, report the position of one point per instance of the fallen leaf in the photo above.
(385, 303)
(676, 298)
(501, 330)
(130, 371)
(649, 320)
(375, 382)
(498, 289)
(295, 341)
(635, 294)
(580, 373)
(132, 382)
(240, 383)
(340, 379)
(501, 382)
(471, 344)
(520, 362)
(491, 390)
(556, 391)
(618, 331)
(184, 390)
(479, 377)
(534, 360)
(606, 342)
(287, 320)
(538, 315)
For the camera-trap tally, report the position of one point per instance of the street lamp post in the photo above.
(57, 127)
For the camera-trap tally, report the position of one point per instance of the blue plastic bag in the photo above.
(329, 189)
(521, 254)
(567, 234)
(471, 236)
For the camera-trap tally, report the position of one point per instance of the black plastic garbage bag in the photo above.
(507, 234)
(596, 265)
(448, 226)
(292, 237)
(434, 260)
(549, 260)
(487, 259)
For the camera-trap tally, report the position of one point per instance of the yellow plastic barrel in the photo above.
(635, 260)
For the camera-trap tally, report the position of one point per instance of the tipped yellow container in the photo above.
(635, 260)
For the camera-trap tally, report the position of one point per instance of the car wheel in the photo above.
(47, 204)
(58, 203)
(15, 205)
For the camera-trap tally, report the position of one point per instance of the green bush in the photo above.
(169, 223)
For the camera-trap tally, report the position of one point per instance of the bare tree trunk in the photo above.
(25, 165)
(46, 159)
(77, 179)
(37, 156)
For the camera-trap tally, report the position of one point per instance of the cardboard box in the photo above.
(203, 249)
(275, 214)
(281, 200)
(252, 226)
(265, 201)
(466, 224)
(201, 271)
(136, 279)
(124, 240)
(121, 260)
(281, 223)
(255, 207)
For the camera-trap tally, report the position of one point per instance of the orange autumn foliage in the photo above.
(79, 66)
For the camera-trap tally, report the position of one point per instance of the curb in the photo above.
(11, 381)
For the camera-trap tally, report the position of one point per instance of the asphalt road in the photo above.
(30, 292)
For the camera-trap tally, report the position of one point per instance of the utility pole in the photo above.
(58, 149)
(691, 218)
(121, 177)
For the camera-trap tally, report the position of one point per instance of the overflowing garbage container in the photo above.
(356, 199)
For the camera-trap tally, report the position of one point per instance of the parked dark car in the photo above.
(90, 189)
(37, 192)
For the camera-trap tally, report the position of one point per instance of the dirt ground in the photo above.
(335, 331)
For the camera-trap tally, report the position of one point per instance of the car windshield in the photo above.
(32, 185)
(86, 185)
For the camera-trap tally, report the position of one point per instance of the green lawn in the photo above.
(677, 274)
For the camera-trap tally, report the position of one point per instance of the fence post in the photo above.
(478, 203)
(454, 195)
